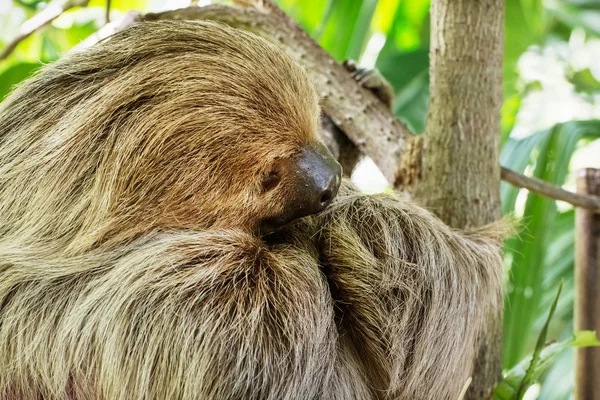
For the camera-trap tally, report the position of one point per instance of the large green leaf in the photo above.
(308, 14)
(361, 31)
(408, 72)
(339, 31)
(549, 156)
(410, 27)
(404, 62)
(516, 154)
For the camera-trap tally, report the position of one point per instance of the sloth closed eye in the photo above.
(270, 181)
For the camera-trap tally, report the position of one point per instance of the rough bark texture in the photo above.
(460, 174)
(587, 287)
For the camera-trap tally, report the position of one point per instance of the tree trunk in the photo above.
(460, 174)
(587, 287)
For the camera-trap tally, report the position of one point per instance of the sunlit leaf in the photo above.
(361, 30)
(309, 14)
(385, 14)
(410, 27)
(510, 108)
(121, 5)
(585, 339)
(339, 31)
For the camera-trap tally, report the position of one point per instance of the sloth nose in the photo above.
(313, 179)
(327, 192)
(322, 178)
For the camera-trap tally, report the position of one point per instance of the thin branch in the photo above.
(107, 14)
(52, 11)
(546, 189)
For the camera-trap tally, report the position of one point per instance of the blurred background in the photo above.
(550, 120)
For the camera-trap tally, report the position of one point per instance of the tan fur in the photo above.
(131, 267)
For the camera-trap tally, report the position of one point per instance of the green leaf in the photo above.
(576, 14)
(534, 370)
(516, 154)
(408, 73)
(385, 14)
(549, 153)
(508, 388)
(362, 29)
(584, 81)
(311, 15)
(28, 4)
(525, 25)
(121, 5)
(14, 75)
(339, 31)
(510, 109)
(585, 339)
(410, 27)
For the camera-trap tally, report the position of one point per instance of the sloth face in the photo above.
(305, 184)
(203, 126)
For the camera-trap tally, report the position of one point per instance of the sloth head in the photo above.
(167, 125)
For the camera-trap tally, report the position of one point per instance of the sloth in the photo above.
(173, 227)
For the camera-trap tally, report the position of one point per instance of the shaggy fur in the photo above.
(130, 263)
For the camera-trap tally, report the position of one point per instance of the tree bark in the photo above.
(460, 174)
(355, 110)
(587, 287)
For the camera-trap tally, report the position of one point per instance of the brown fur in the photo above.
(130, 264)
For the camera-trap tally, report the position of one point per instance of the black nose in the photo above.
(321, 176)
(311, 180)
(327, 192)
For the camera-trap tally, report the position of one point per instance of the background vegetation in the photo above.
(550, 120)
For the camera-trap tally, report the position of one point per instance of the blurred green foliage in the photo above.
(393, 35)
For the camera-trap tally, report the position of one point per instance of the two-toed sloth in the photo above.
(147, 186)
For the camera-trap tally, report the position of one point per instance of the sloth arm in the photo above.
(209, 315)
(411, 293)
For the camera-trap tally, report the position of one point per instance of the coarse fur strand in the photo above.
(130, 266)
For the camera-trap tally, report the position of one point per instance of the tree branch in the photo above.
(370, 125)
(52, 11)
(109, 29)
(355, 110)
(546, 189)
(107, 12)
